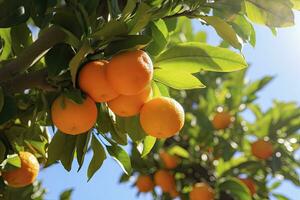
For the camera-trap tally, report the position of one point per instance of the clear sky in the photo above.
(279, 56)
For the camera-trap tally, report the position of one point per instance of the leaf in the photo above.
(13, 13)
(177, 79)
(76, 61)
(1, 99)
(235, 188)
(121, 156)
(132, 127)
(296, 4)
(148, 144)
(130, 6)
(5, 43)
(192, 57)
(82, 142)
(224, 30)
(244, 29)
(66, 195)
(12, 162)
(98, 157)
(130, 42)
(179, 151)
(56, 147)
(111, 29)
(141, 18)
(9, 109)
(2, 151)
(21, 37)
(273, 13)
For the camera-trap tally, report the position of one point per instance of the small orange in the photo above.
(162, 117)
(127, 106)
(222, 120)
(130, 72)
(250, 185)
(262, 149)
(92, 80)
(144, 183)
(169, 161)
(72, 118)
(26, 174)
(201, 191)
(165, 180)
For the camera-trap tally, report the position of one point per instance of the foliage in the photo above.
(43, 45)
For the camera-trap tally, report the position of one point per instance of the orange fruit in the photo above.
(162, 117)
(249, 184)
(165, 180)
(144, 184)
(201, 191)
(262, 149)
(92, 80)
(169, 161)
(174, 193)
(221, 120)
(127, 106)
(26, 174)
(130, 72)
(72, 118)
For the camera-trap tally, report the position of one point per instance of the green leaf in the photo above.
(66, 195)
(132, 127)
(6, 43)
(269, 12)
(159, 33)
(111, 29)
(179, 151)
(130, 42)
(121, 156)
(148, 144)
(21, 37)
(2, 151)
(98, 157)
(244, 29)
(130, 6)
(224, 30)
(77, 60)
(1, 99)
(192, 57)
(280, 196)
(12, 162)
(235, 188)
(177, 79)
(82, 142)
(296, 4)
(141, 18)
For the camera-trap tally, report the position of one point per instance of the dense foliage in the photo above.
(43, 45)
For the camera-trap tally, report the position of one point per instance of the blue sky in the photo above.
(278, 56)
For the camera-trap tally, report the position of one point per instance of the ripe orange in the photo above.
(221, 120)
(169, 161)
(26, 174)
(250, 185)
(201, 191)
(92, 80)
(72, 118)
(262, 149)
(162, 117)
(165, 180)
(130, 72)
(144, 184)
(126, 106)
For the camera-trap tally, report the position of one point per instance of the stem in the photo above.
(33, 53)
(37, 79)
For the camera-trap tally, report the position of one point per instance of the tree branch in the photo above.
(37, 79)
(33, 53)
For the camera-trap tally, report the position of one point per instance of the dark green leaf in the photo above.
(121, 156)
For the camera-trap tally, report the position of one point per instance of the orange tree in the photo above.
(242, 160)
(70, 66)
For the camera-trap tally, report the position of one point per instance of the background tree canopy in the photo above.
(44, 44)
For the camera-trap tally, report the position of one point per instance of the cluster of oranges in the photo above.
(124, 83)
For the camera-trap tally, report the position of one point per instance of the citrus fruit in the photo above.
(127, 106)
(144, 183)
(165, 180)
(73, 118)
(262, 149)
(26, 174)
(162, 117)
(201, 191)
(169, 161)
(221, 120)
(92, 80)
(130, 72)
